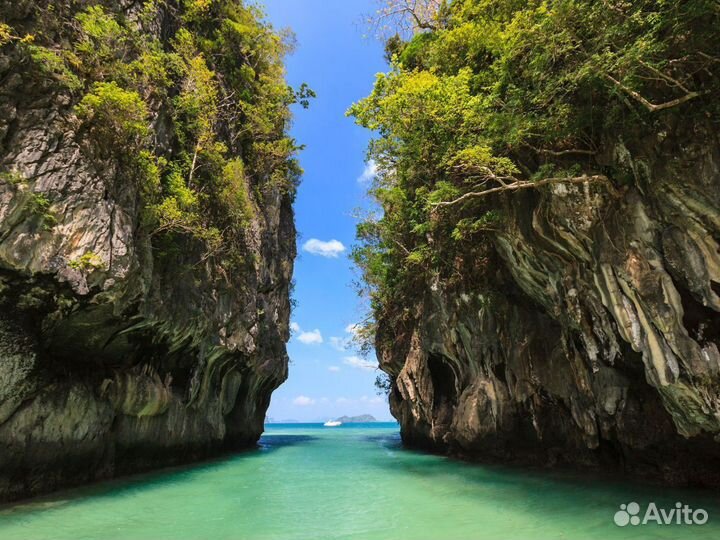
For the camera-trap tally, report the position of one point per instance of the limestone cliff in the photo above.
(125, 343)
(545, 275)
(599, 346)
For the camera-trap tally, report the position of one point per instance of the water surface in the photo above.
(353, 482)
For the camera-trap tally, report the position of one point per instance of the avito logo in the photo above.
(681, 514)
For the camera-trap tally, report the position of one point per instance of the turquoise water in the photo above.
(354, 482)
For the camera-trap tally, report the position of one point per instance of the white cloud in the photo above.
(295, 327)
(310, 338)
(368, 174)
(331, 249)
(303, 401)
(334, 369)
(342, 401)
(338, 343)
(343, 343)
(360, 363)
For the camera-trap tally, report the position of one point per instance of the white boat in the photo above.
(332, 423)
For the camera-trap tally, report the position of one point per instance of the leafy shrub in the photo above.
(52, 64)
(234, 194)
(12, 177)
(119, 116)
(88, 261)
(40, 206)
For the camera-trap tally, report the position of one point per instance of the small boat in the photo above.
(332, 423)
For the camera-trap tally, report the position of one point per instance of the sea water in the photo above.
(306, 481)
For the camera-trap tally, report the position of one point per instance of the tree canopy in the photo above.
(497, 96)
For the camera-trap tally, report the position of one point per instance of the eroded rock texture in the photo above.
(598, 342)
(135, 357)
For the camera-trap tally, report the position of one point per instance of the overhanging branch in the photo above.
(653, 107)
(528, 184)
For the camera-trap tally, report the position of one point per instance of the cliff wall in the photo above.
(130, 336)
(598, 346)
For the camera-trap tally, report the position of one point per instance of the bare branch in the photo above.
(407, 252)
(558, 153)
(405, 17)
(708, 57)
(665, 77)
(528, 184)
(652, 107)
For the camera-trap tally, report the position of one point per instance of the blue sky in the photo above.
(327, 378)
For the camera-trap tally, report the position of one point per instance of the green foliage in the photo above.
(119, 116)
(52, 64)
(197, 119)
(12, 177)
(467, 228)
(39, 205)
(234, 194)
(508, 90)
(87, 262)
(383, 384)
(303, 95)
(148, 171)
(172, 215)
(413, 54)
(5, 34)
(177, 189)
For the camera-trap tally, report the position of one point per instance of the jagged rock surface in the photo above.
(598, 342)
(138, 360)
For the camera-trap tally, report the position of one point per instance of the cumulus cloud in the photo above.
(303, 401)
(330, 249)
(295, 327)
(334, 369)
(369, 173)
(310, 338)
(343, 343)
(359, 363)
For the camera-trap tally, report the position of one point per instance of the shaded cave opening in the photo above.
(444, 383)
(701, 322)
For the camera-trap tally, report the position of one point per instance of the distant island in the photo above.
(356, 419)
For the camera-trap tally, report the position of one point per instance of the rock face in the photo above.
(128, 359)
(599, 344)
